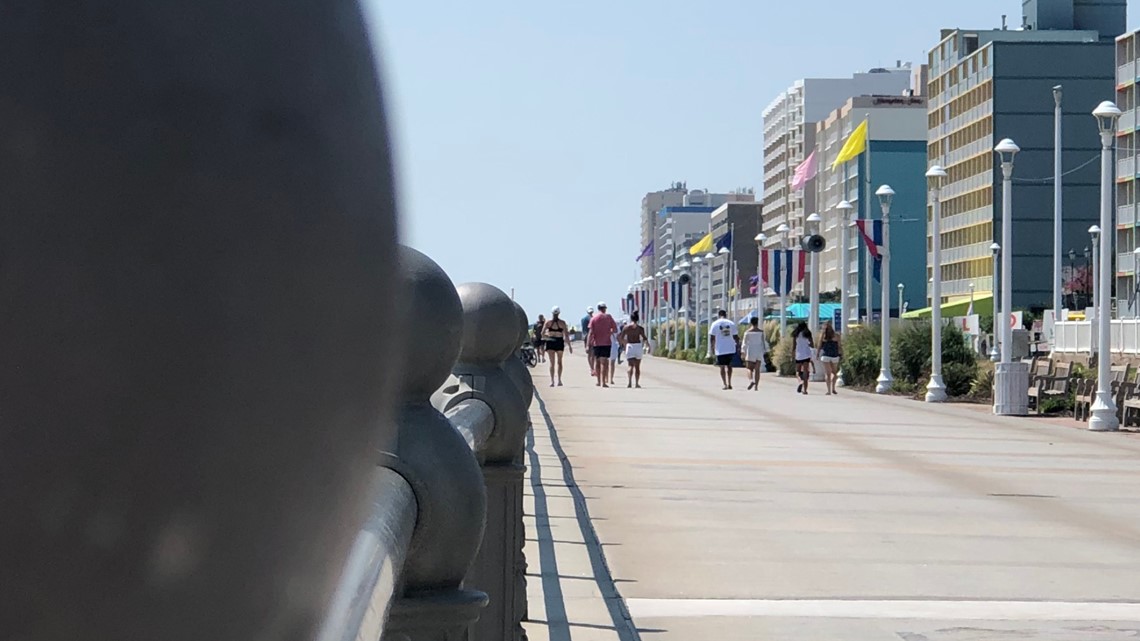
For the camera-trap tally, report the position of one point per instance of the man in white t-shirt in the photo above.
(724, 341)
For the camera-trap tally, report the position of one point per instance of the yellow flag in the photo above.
(704, 246)
(855, 145)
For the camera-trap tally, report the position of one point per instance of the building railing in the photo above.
(213, 425)
(1126, 167)
(1126, 73)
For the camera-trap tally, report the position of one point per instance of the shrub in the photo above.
(784, 357)
(959, 378)
(911, 355)
(861, 356)
(982, 385)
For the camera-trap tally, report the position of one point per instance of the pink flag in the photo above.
(805, 172)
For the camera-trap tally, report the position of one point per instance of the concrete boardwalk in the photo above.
(684, 512)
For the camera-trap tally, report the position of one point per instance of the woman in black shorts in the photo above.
(554, 333)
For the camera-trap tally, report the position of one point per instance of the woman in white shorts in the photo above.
(755, 347)
(634, 339)
(829, 353)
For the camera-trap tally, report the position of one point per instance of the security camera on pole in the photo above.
(886, 196)
(1011, 380)
(936, 389)
(1103, 411)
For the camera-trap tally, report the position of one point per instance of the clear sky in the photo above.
(528, 131)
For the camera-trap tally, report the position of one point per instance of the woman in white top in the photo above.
(802, 339)
(755, 347)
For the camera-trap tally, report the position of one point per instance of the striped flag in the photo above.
(782, 269)
(873, 238)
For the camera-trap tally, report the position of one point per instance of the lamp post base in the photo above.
(1102, 416)
(1011, 389)
(884, 382)
(936, 390)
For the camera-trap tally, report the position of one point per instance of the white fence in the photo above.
(1076, 337)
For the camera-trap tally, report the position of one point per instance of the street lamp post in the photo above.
(902, 287)
(783, 229)
(697, 262)
(1136, 283)
(1011, 380)
(1103, 412)
(813, 224)
(1057, 204)
(845, 208)
(657, 285)
(1094, 233)
(936, 388)
(710, 258)
(886, 196)
(678, 297)
(760, 238)
(995, 355)
(682, 292)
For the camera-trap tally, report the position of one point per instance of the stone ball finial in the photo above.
(524, 325)
(430, 295)
(490, 324)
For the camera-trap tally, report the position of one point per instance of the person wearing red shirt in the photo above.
(603, 328)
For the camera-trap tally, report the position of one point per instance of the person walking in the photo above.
(586, 337)
(634, 339)
(803, 343)
(615, 354)
(537, 340)
(602, 327)
(755, 347)
(555, 332)
(724, 341)
(829, 352)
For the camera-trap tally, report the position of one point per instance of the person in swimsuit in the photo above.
(601, 329)
(554, 332)
(633, 338)
(829, 353)
(538, 341)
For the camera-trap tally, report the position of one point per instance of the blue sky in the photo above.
(527, 132)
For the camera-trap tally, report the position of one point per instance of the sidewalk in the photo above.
(736, 515)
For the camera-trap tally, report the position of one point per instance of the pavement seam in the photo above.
(615, 603)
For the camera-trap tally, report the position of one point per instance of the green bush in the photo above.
(911, 355)
(982, 385)
(861, 356)
(959, 378)
(784, 357)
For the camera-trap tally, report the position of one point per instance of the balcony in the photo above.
(1126, 167)
(1125, 263)
(1126, 73)
(1127, 121)
(1126, 215)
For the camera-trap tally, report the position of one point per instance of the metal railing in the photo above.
(212, 428)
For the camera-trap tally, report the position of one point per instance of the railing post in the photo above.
(488, 370)
(440, 467)
(198, 264)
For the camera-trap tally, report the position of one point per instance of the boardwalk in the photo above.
(684, 512)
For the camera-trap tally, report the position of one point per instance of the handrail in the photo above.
(475, 421)
(372, 571)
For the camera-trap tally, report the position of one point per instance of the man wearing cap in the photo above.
(602, 328)
(586, 337)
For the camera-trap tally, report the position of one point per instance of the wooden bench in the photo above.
(1055, 385)
(1085, 392)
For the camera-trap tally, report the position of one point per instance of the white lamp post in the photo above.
(760, 238)
(1135, 283)
(724, 253)
(675, 305)
(845, 208)
(936, 389)
(813, 224)
(886, 196)
(1011, 380)
(1094, 233)
(710, 258)
(995, 355)
(1057, 203)
(783, 229)
(657, 306)
(901, 288)
(1103, 411)
(683, 299)
(697, 262)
